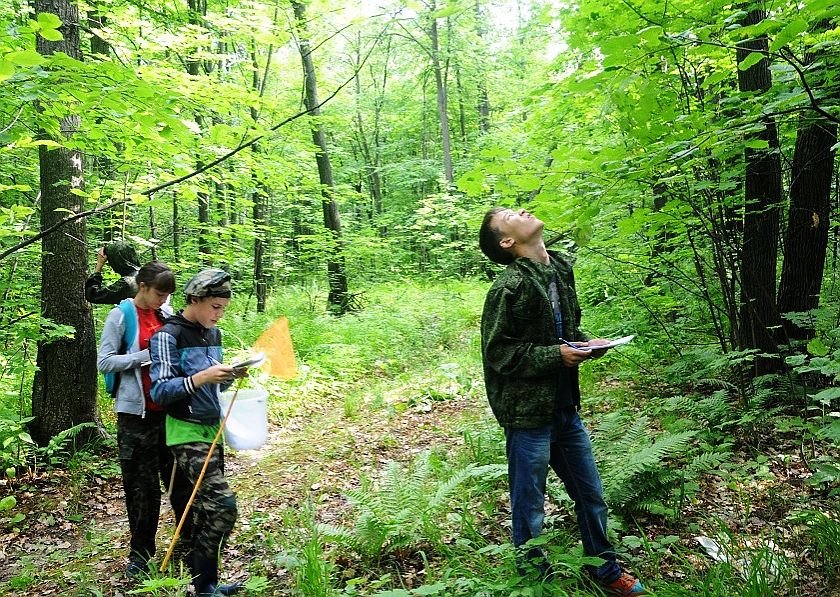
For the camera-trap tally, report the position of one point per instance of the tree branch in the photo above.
(149, 192)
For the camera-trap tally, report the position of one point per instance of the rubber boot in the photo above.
(206, 578)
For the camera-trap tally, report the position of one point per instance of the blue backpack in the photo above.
(112, 380)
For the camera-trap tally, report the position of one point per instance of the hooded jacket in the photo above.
(524, 373)
(180, 349)
(109, 359)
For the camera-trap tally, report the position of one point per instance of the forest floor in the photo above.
(73, 539)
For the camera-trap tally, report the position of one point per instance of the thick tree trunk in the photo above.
(759, 315)
(806, 237)
(337, 299)
(64, 389)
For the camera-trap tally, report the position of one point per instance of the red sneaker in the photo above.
(625, 585)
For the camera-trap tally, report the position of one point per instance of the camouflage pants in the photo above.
(215, 505)
(145, 461)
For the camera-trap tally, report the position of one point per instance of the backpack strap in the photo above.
(130, 325)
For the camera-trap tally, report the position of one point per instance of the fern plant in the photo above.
(646, 472)
(402, 511)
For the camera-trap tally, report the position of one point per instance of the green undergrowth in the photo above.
(411, 342)
(680, 458)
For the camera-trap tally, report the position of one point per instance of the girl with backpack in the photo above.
(145, 460)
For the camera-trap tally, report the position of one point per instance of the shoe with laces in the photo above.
(625, 585)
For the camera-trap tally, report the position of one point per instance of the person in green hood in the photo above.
(123, 259)
(531, 347)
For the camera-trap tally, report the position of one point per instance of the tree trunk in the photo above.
(806, 237)
(462, 113)
(102, 164)
(483, 97)
(197, 14)
(759, 315)
(377, 140)
(371, 166)
(259, 197)
(337, 300)
(176, 231)
(443, 115)
(64, 389)
(205, 252)
(153, 232)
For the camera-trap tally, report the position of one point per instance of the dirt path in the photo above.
(73, 540)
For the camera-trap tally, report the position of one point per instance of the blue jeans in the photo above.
(565, 446)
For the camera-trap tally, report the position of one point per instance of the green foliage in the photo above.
(824, 534)
(643, 472)
(7, 504)
(15, 443)
(299, 549)
(401, 325)
(163, 586)
(59, 447)
(402, 511)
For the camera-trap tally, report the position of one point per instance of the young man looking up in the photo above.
(531, 377)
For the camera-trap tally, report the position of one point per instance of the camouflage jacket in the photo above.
(97, 293)
(524, 375)
(123, 259)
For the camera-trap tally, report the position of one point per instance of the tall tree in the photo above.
(337, 300)
(440, 68)
(483, 96)
(806, 235)
(197, 17)
(64, 388)
(759, 315)
(370, 149)
(260, 193)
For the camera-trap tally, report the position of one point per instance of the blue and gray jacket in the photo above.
(116, 356)
(179, 349)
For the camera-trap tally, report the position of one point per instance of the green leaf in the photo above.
(25, 58)
(757, 144)
(446, 11)
(7, 503)
(832, 431)
(435, 589)
(7, 69)
(794, 29)
(51, 34)
(817, 348)
(614, 49)
(827, 395)
(716, 77)
(752, 59)
(48, 20)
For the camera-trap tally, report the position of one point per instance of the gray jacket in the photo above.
(129, 397)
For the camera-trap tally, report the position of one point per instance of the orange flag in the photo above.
(276, 343)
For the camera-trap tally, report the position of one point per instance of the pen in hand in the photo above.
(575, 346)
